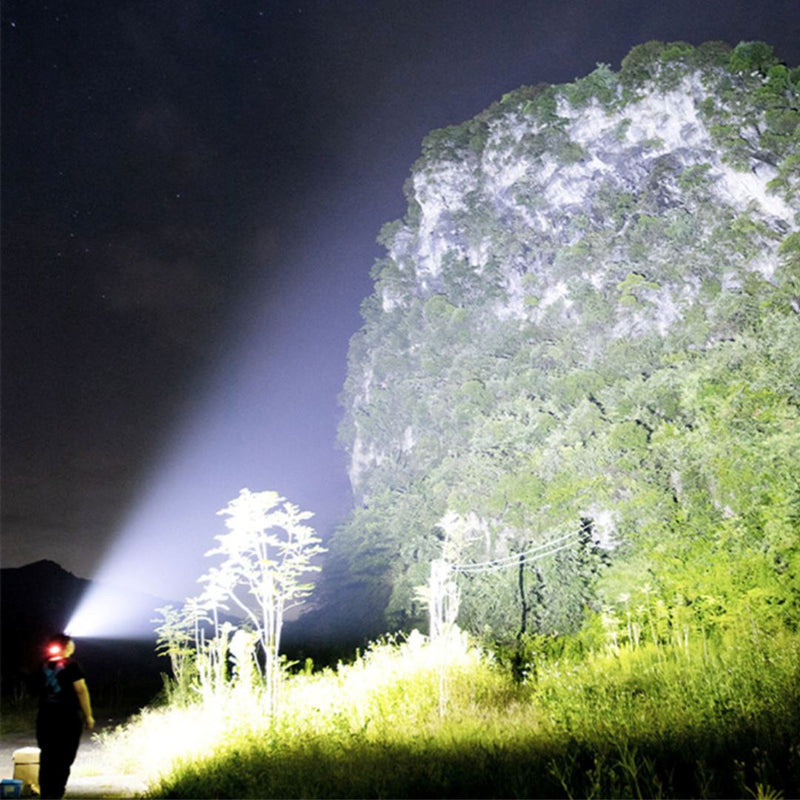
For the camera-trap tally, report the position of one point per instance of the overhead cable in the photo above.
(532, 554)
(506, 564)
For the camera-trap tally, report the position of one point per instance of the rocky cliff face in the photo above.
(578, 233)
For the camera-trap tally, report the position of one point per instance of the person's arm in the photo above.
(82, 692)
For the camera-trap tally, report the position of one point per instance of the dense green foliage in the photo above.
(619, 358)
(584, 332)
(686, 717)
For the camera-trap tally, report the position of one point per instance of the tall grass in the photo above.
(695, 719)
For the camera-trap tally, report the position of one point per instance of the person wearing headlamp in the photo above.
(64, 708)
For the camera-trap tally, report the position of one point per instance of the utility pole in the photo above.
(523, 600)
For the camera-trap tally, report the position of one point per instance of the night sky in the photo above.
(191, 193)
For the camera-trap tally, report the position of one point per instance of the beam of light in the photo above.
(112, 612)
(267, 423)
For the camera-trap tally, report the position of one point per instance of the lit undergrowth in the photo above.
(647, 722)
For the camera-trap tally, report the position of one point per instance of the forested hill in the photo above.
(586, 329)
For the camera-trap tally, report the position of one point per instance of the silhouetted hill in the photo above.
(36, 601)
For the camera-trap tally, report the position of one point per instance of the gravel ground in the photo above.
(91, 776)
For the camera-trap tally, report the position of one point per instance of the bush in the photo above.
(689, 717)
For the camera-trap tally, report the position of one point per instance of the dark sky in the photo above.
(191, 192)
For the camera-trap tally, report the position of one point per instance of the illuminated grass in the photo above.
(649, 722)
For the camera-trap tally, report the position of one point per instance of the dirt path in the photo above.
(91, 775)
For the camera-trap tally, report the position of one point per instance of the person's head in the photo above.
(59, 646)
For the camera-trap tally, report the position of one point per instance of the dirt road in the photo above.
(91, 775)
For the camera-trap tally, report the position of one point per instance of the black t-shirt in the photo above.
(57, 689)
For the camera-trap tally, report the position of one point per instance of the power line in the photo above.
(511, 560)
(514, 557)
(505, 564)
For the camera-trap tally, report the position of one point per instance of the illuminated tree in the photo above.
(266, 552)
(197, 645)
(174, 640)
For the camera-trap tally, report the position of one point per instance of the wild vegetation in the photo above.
(601, 343)
(573, 418)
(267, 555)
(692, 715)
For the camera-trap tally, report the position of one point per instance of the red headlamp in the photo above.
(54, 650)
